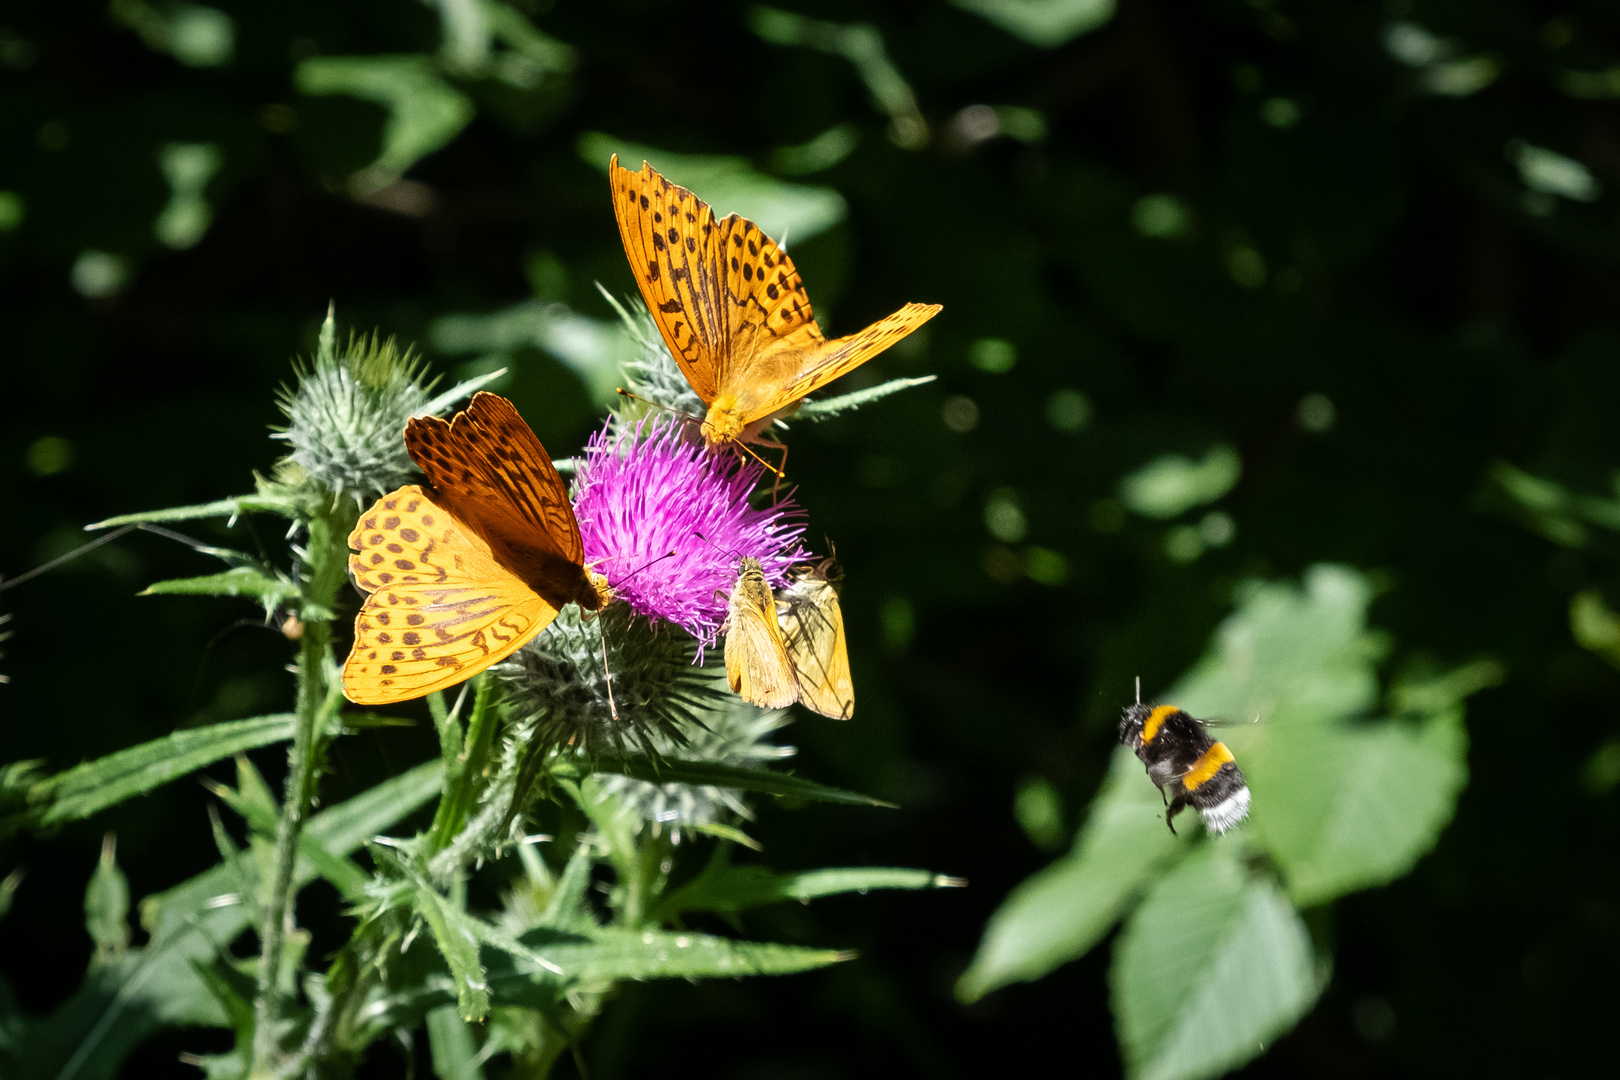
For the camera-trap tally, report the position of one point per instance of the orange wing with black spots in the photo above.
(442, 608)
(490, 469)
(462, 574)
(732, 307)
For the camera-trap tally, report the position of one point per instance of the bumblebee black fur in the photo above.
(1189, 767)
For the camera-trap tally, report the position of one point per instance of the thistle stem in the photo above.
(463, 770)
(324, 563)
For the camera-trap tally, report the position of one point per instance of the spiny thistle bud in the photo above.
(651, 371)
(558, 689)
(346, 416)
(736, 733)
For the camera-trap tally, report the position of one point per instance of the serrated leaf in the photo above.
(242, 581)
(1059, 913)
(763, 781)
(1212, 966)
(343, 874)
(96, 785)
(1342, 809)
(727, 889)
(1289, 654)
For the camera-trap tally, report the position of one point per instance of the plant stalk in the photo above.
(325, 559)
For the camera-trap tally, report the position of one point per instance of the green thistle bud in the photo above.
(346, 416)
(558, 690)
(651, 371)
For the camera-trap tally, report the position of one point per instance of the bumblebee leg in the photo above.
(1175, 808)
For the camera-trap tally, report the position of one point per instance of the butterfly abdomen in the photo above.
(1189, 767)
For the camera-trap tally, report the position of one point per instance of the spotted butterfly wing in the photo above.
(757, 665)
(731, 306)
(463, 573)
(813, 627)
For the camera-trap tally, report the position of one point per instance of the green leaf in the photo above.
(106, 905)
(458, 944)
(763, 781)
(242, 581)
(788, 212)
(1213, 965)
(594, 959)
(729, 889)
(344, 875)
(1059, 913)
(1289, 654)
(454, 1046)
(96, 785)
(1172, 484)
(284, 504)
(1047, 23)
(1342, 809)
(159, 985)
(612, 955)
(424, 111)
(826, 408)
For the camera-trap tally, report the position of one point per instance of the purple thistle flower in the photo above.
(650, 492)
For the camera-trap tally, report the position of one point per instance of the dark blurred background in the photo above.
(1370, 249)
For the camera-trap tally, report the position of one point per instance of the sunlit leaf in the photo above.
(1060, 912)
(1212, 966)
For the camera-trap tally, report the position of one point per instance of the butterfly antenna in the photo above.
(1139, 689)
(684, 417)
(724, 551)
(653, 562)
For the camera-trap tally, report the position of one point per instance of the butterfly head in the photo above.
(604, 591)
(724, 422)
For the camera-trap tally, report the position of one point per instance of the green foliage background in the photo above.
(1232, 290)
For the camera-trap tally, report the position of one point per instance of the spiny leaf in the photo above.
(96, 785)
(284, 504)
(675, 771)
(242, 581)
(727, 889)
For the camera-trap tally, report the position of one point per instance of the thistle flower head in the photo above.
(347, 413)
(648, 492)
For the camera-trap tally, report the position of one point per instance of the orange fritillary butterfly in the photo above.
(464, 570)
(732, 308)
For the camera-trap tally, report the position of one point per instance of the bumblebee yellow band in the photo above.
(1205, 768)
(1155, 721)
